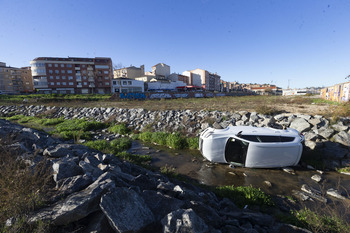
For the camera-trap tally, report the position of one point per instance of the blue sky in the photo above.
(301, 42)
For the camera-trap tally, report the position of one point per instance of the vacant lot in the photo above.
(262, 104)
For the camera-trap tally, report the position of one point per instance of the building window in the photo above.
(107, 83)
(69, 65)
(64, 83)
(106, 78)
(124, 83)
(70, 83)
(58, 83)
(52, 83)
(106, 71)
(69, 71)
(70, 77)
(51, 77)
(49, 65)
(114, 82)
(57, 71)
(56, 65)
(84, 77)
(63, 71)
(129, 82)
(84, 71)
(62, 65)
(50, 71)
(83, 66)
(63, 77)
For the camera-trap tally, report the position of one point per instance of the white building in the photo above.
(164, 85)
(125, 85)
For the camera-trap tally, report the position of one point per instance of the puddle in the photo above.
(192, 164)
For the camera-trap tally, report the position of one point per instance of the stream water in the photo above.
(192, 164)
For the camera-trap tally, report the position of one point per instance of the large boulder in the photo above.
(76, 206)
(161, 204)
(126, 210)
(300, 124)
(342, 138)
(65, 168)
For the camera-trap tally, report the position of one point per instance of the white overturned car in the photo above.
(253, 147)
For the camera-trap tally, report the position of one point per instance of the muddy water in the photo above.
(192, 164)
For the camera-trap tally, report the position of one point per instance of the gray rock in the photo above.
(342, 138)
(300, 124)
(90, 170)
(161, 204)
(334, 151)
(316, 178)
(184, 221)
(126, 210)
(73, 184)
(335, 193)
(310, 136)
(313, 193)
(61, 150)
(76, 206)
(289, 170)
(98, 222)
(216, 125)
(340, 127)
(207, 213)
(326, 132)
(310, 144)
(65, 168)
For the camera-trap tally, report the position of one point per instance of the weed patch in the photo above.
(242, 196)
(113, 147)
(119, 129)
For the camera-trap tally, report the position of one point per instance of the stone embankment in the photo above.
(104, 194)
(330, 139)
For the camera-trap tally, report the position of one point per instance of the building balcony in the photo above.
(91, 79)
(90, 68)
(91, 85)
(78, 79)
(79, 86)
(77, 68)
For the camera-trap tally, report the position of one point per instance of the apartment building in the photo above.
(130, 72)
(72, 75)
(27, 79)
(11, 81)
(209, 81)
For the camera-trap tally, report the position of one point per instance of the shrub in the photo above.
(145, 136)
(160, 138)
(120, 144)
(119, 129)
(192, 143)
(242, 196)
(101, 145)
(175, 141)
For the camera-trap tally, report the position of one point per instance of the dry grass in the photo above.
(277, 104)
(22, 189)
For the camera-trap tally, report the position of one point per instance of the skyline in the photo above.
(300, 43)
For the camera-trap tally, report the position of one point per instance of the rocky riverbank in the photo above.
(100, 193)
(330, 139)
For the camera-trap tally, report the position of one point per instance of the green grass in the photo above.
(320, 222)
(119, 129)
(242, 196)
(113, 147)
(78, 128)
(134, 158)
(176, 141)
(344, 169)
(192, 143)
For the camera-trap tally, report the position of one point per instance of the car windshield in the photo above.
(266, 138)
